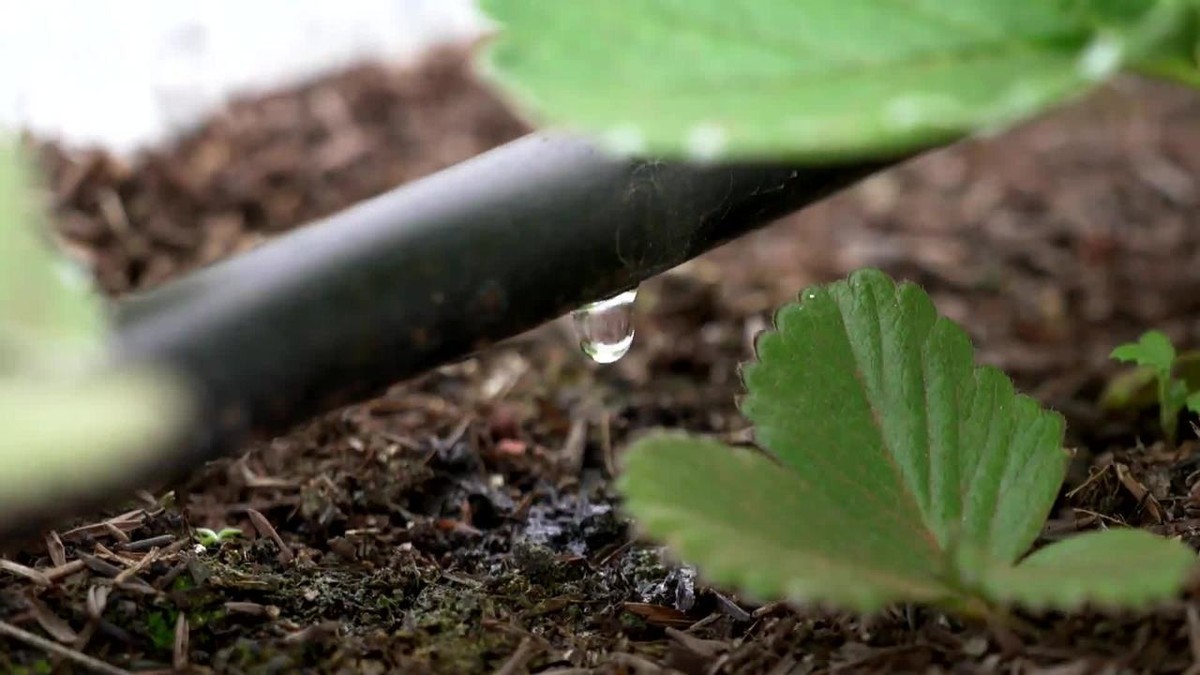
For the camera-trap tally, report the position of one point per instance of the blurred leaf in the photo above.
(816, 81)
(65, 437)
(49, 312)
(1166, 42)
(1132, 389)
(1193, 402)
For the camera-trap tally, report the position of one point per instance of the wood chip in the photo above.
(29, 573)
(72, 655)
(147, 544)
(659, 615)
(708, 649)
(117, 533)
(85, 635)
(126, 522)
(55, 549)
(520, 658)
(731, 608)
(314, 632)
(785, 666)
(179, 658)
(131, 572)
(97, 601)
(99, 566)
(252, 609)
(264, 529)
(638, 664)
(65, 570)
(1139, 492)
(50, 622)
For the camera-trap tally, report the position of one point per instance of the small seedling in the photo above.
(1156, 357)
(208, 538)
(898, 471)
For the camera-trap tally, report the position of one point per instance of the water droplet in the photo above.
(605, 328)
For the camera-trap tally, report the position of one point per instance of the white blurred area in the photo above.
(128, 73)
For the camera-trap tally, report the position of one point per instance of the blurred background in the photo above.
(122, 75)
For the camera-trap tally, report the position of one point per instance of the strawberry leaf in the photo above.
(1153, 349)
(896, 468)
(1115, 568)
(67, 437)
(51, 316)
(751, 524)
(820, 80)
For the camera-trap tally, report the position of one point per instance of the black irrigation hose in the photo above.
(432, 271)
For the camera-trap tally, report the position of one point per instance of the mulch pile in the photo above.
(464, 522)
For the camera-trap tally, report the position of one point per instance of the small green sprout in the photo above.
(896, 470)
(1157, 359)
(208, 538)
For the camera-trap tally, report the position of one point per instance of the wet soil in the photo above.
(465, 521)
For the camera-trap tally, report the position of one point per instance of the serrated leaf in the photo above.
(896, 451)
(750, 524)
(1115, 568)
(864, 389)
(62, 437)
(821, 80)
(1153, 349)
(49, 311)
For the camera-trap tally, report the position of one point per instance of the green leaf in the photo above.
(821, 80)
(1165, 42)
(896, 452)
(895, 407)
(66, 437)
(50, 314)
(1115, 568)
(750, 524)
(1193, 402)
(207, 537)
(1153, 349)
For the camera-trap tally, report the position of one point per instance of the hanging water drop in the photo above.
(605, 328)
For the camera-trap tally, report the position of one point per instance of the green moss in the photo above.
(40, 667)
(160, 628)
(183, 582)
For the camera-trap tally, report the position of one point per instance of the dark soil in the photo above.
(465, 523)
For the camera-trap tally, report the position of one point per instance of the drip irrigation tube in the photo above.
(430, 272)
